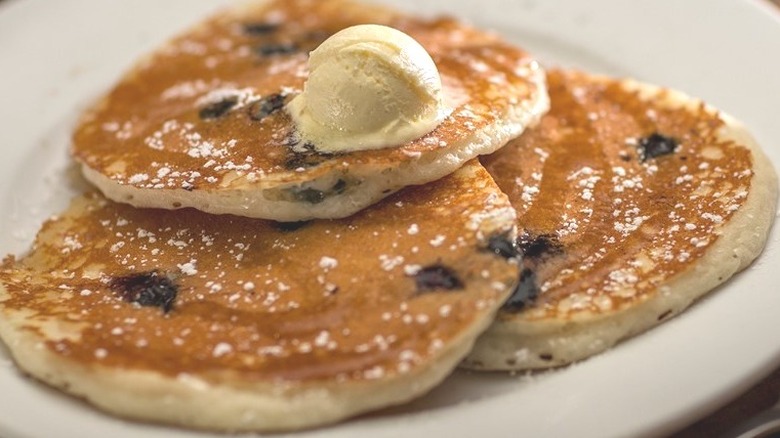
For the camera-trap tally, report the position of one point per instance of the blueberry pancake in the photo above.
(632, 202)
(203, 121)
(231, 323)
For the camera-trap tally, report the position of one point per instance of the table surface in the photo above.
(759, 398)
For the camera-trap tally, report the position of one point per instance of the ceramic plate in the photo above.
(57, 56)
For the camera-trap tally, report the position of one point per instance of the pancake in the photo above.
(633, 201)
(200, 123)
(230, 323)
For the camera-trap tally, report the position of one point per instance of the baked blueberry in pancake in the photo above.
(632, 202)
(231, 323)
(204, 121)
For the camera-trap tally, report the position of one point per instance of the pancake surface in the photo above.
(632, 202)
(201, 122)
(231, 323)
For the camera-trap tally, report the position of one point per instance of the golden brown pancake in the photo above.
(230, 323)
(632, 202)
(201, 122)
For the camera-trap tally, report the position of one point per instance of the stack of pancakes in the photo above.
(225, 277)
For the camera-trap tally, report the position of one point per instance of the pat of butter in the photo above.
(369, 87)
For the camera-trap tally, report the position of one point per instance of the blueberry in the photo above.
(218, 109)
(150, 289)
(656, 145)
(314, 196)
(538, 246)
(436, 277)
(276, 49)
(255, 29)
(266, 106)
(502, 246)
(525, 292)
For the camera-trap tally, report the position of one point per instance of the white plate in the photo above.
(55, 56)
